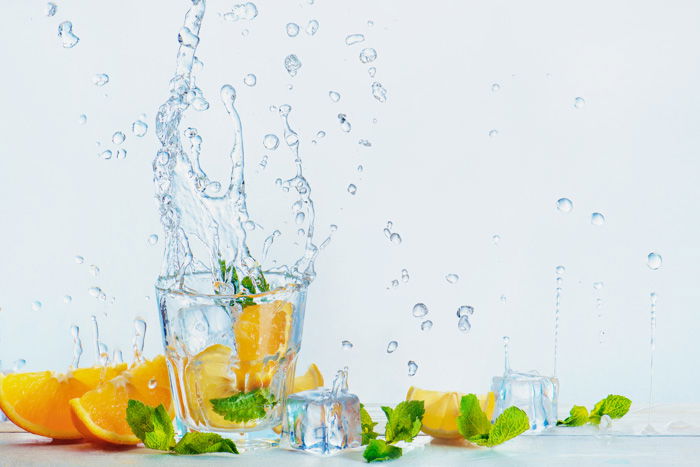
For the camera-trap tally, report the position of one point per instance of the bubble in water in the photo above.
(242, 11)
(106, 155)
(371, 71)
(379, 92)
(495, 87)
(79, 259)
(352, 189)
(393, 345)
(94, 270)
(67, 299)
(597, 218)
(493, 133)
(312, 27)
(344, 123)
(335, 96)
(292, 29)
(452, 278)
(420, 310)
(139, 128)
(654, 260)
(121, 154)
(412, 368)
(118, 137)
(100, 79)
(292, 64)
(152, 383)
(82, 119)
(463, 324)
(354, 39)
(395, 238)
(597, 285)
(404, 275)
(50, 9)
(250, 80)
(426, 325)
(36, 305)
(496, 239)
(465, 310)
(565, 205)
(271, 142)
(152, 239)
(579, 102)
(560, 270)
(347, 345)
(65, 33)
(365, 143)
(368, 55)
(95, 291)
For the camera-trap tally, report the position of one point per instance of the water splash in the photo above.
(139, 339)
(506, 355)
(65, 33)
(292, 64)
(101, 350)
(340, 382)
(557, 302)
(50, 9)
(379, 92)
(241, 11)
(649, 429)
(354, 39)
(77, 346)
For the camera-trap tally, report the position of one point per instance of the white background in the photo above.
(631, 153)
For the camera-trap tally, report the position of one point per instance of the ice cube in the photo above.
(323, 421)
(536, 395)
(202, 326)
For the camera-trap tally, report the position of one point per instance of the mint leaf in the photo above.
(202, 443)
(404, 421)
(262, 284)
(378, 451)
(151, 425)
(472, 421)
(244, 406)
(247, 283)
(612, 406)
(368, 425)
(511, 423)
(577, 416)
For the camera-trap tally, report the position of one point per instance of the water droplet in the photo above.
(412, 368)
(312, 27)
(420, 310)
(335, 96)
(152, 383)
(354, 39)
(393, 345)
(18, 365)
(426, 325)
(118, 137)
(100, 79)
(605, 423)
(654, 260)
(360, 168)
(565, 205)
(379, 92)
(79, 259)
(597, 218)
(121, 154)
(82, 119)
(365, 143)
(463, 324)
(496, 239)
(579, 102)
(292, 29)
(452, 278)
(242, 11)
(493, 133)
(368, 55)
(395, 238)
(404, 275)
(250, 80)
(271, 142)
(347, 345)
(560, 270)
(152, 239)
(465, 310)
(65, 33)
(394, 283)
(344, 123)
(503, 299)
(67, 299)
(106, 155)
(597, 285)
(370, 23)
(495, 87)
(139, 128)
(352, 189)
(95, 291)
(320, 134)
(371, 71)
(292, 64)
(199, 104)
(94, 270)
(50, 9)
(36, 305)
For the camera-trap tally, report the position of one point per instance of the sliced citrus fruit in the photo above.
(38, 402)
(312, 379)
(100, 414)
(442, 410)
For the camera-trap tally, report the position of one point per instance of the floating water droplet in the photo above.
(452, 278)
(292, 29)
(597, 218)
(320, 134)
(465, 310)
(394, 283)
(250, 80)
(95, 291)
(579, 102)
(94, 270)
(404, 275)
(463, 324)
(412, 368)
(199, 104)
(152, 383)
(654, 260)
(495, 87)
(360, 168)
(419, 310)
(65, 33)
(82, 119)
(50, 9)
(365, 143)
(560, 270)
(565, 205)
(79, 259)
(152, 239)
(395, 238)
(77, 346)
(605, 423)
(121, 154)
(67, 299)
(242, 11)
(36, 305)
(299, 218)
(102, 297)
(347, 345)
(335, 96)
(392, 346)
(493, 133)
(496, 239)
(292, 64)
(503, 299)
(18, 365)
(352, 189)
(118, 137)
(371, 71)
(379, 92)
(597, 285)
(100, 79)
(354, 39)
(106, 155)
(117, 357)
(426, 325)
(312, 27)
(139, 338)
(344, 123)
(139, 128)
(368, 55)
(271, 142)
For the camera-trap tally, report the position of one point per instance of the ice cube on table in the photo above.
(535, 394)
(323, 421)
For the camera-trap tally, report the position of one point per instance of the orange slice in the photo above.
(442, 410)
(100, 414)
(312, 379)
(38, 402)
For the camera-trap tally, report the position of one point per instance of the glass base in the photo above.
(245, 441)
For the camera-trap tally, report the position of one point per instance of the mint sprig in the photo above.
(378, 451)
(204, 443)
(474, 425)
(403, 424)
(613, 406)
(244, 406)
(578, 416)
(368, 425)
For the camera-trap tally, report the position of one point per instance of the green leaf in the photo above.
(577, 416)
(511, 423)
(244, 406)
(262, 284)
(368, 425)
(472, 421)
(152, 426)
(247, 283)
(202, 443)
(404, 421)
(612, 406)
(378, 450)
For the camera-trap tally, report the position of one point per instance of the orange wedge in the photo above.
(312, 379)
(38, 402)
(442, 410)
(100, 414)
